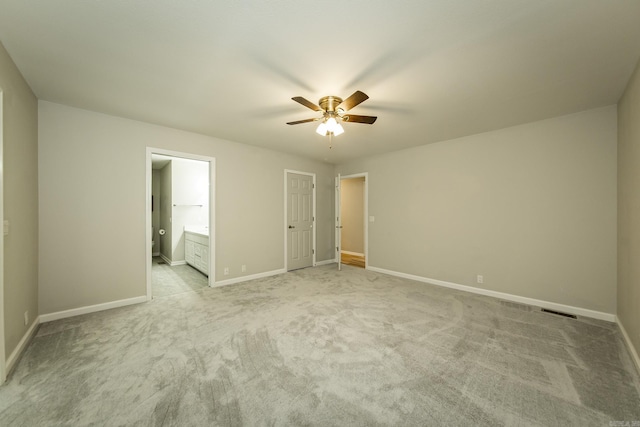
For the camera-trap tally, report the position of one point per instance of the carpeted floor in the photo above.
(320, 347)
(167, 280)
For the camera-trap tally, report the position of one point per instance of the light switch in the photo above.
(6, 227)
(372, 219)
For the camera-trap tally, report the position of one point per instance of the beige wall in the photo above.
(629, 210)
(352, 211)
(20, 163)
(532, 208)
(92, 220)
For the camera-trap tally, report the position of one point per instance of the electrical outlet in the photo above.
(226, 271)
(244, 268)
(26, 318)
(480, 279)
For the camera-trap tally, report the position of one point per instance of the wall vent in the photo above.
(559, 313)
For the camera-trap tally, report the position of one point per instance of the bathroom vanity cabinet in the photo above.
(196, 249)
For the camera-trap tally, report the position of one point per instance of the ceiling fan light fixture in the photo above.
(322, 129)
(338, 130)
(331, 124)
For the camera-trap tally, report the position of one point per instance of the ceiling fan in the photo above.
(334, 110)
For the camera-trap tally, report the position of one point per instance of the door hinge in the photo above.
(313, 251)
(336, 249)
(313, 186)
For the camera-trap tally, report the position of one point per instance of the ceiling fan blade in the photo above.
(301, 121)
(353, 100)
(306, 103)
(353, 118)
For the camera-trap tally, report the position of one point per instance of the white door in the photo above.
(338, 224)
(299, 221)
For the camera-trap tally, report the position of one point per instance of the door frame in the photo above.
(3, 361)
(338, 220)
(286, 217)
(364, 175)
(212, 210)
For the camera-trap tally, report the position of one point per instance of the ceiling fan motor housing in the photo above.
(329, 103)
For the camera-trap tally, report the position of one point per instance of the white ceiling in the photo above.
(434, 69)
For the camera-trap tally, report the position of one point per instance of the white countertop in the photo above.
(203, 231)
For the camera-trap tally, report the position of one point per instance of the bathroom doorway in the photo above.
(180, 222)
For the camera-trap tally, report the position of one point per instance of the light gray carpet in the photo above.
(318, 347)
(167, 280)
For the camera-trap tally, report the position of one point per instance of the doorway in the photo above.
(299, 221)
(353, 195)
(180, 222)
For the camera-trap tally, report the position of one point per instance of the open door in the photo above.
(338, 224)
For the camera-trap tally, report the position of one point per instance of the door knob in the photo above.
(292, 226)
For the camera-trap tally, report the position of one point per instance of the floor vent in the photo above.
(559, 313)
(161, 262)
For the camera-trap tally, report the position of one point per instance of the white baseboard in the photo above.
(44, 318)
(22, 345)
(351, 253)
(632, 349)
(325, 262)
(172, 263)
(247, 278)
(501, 295)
